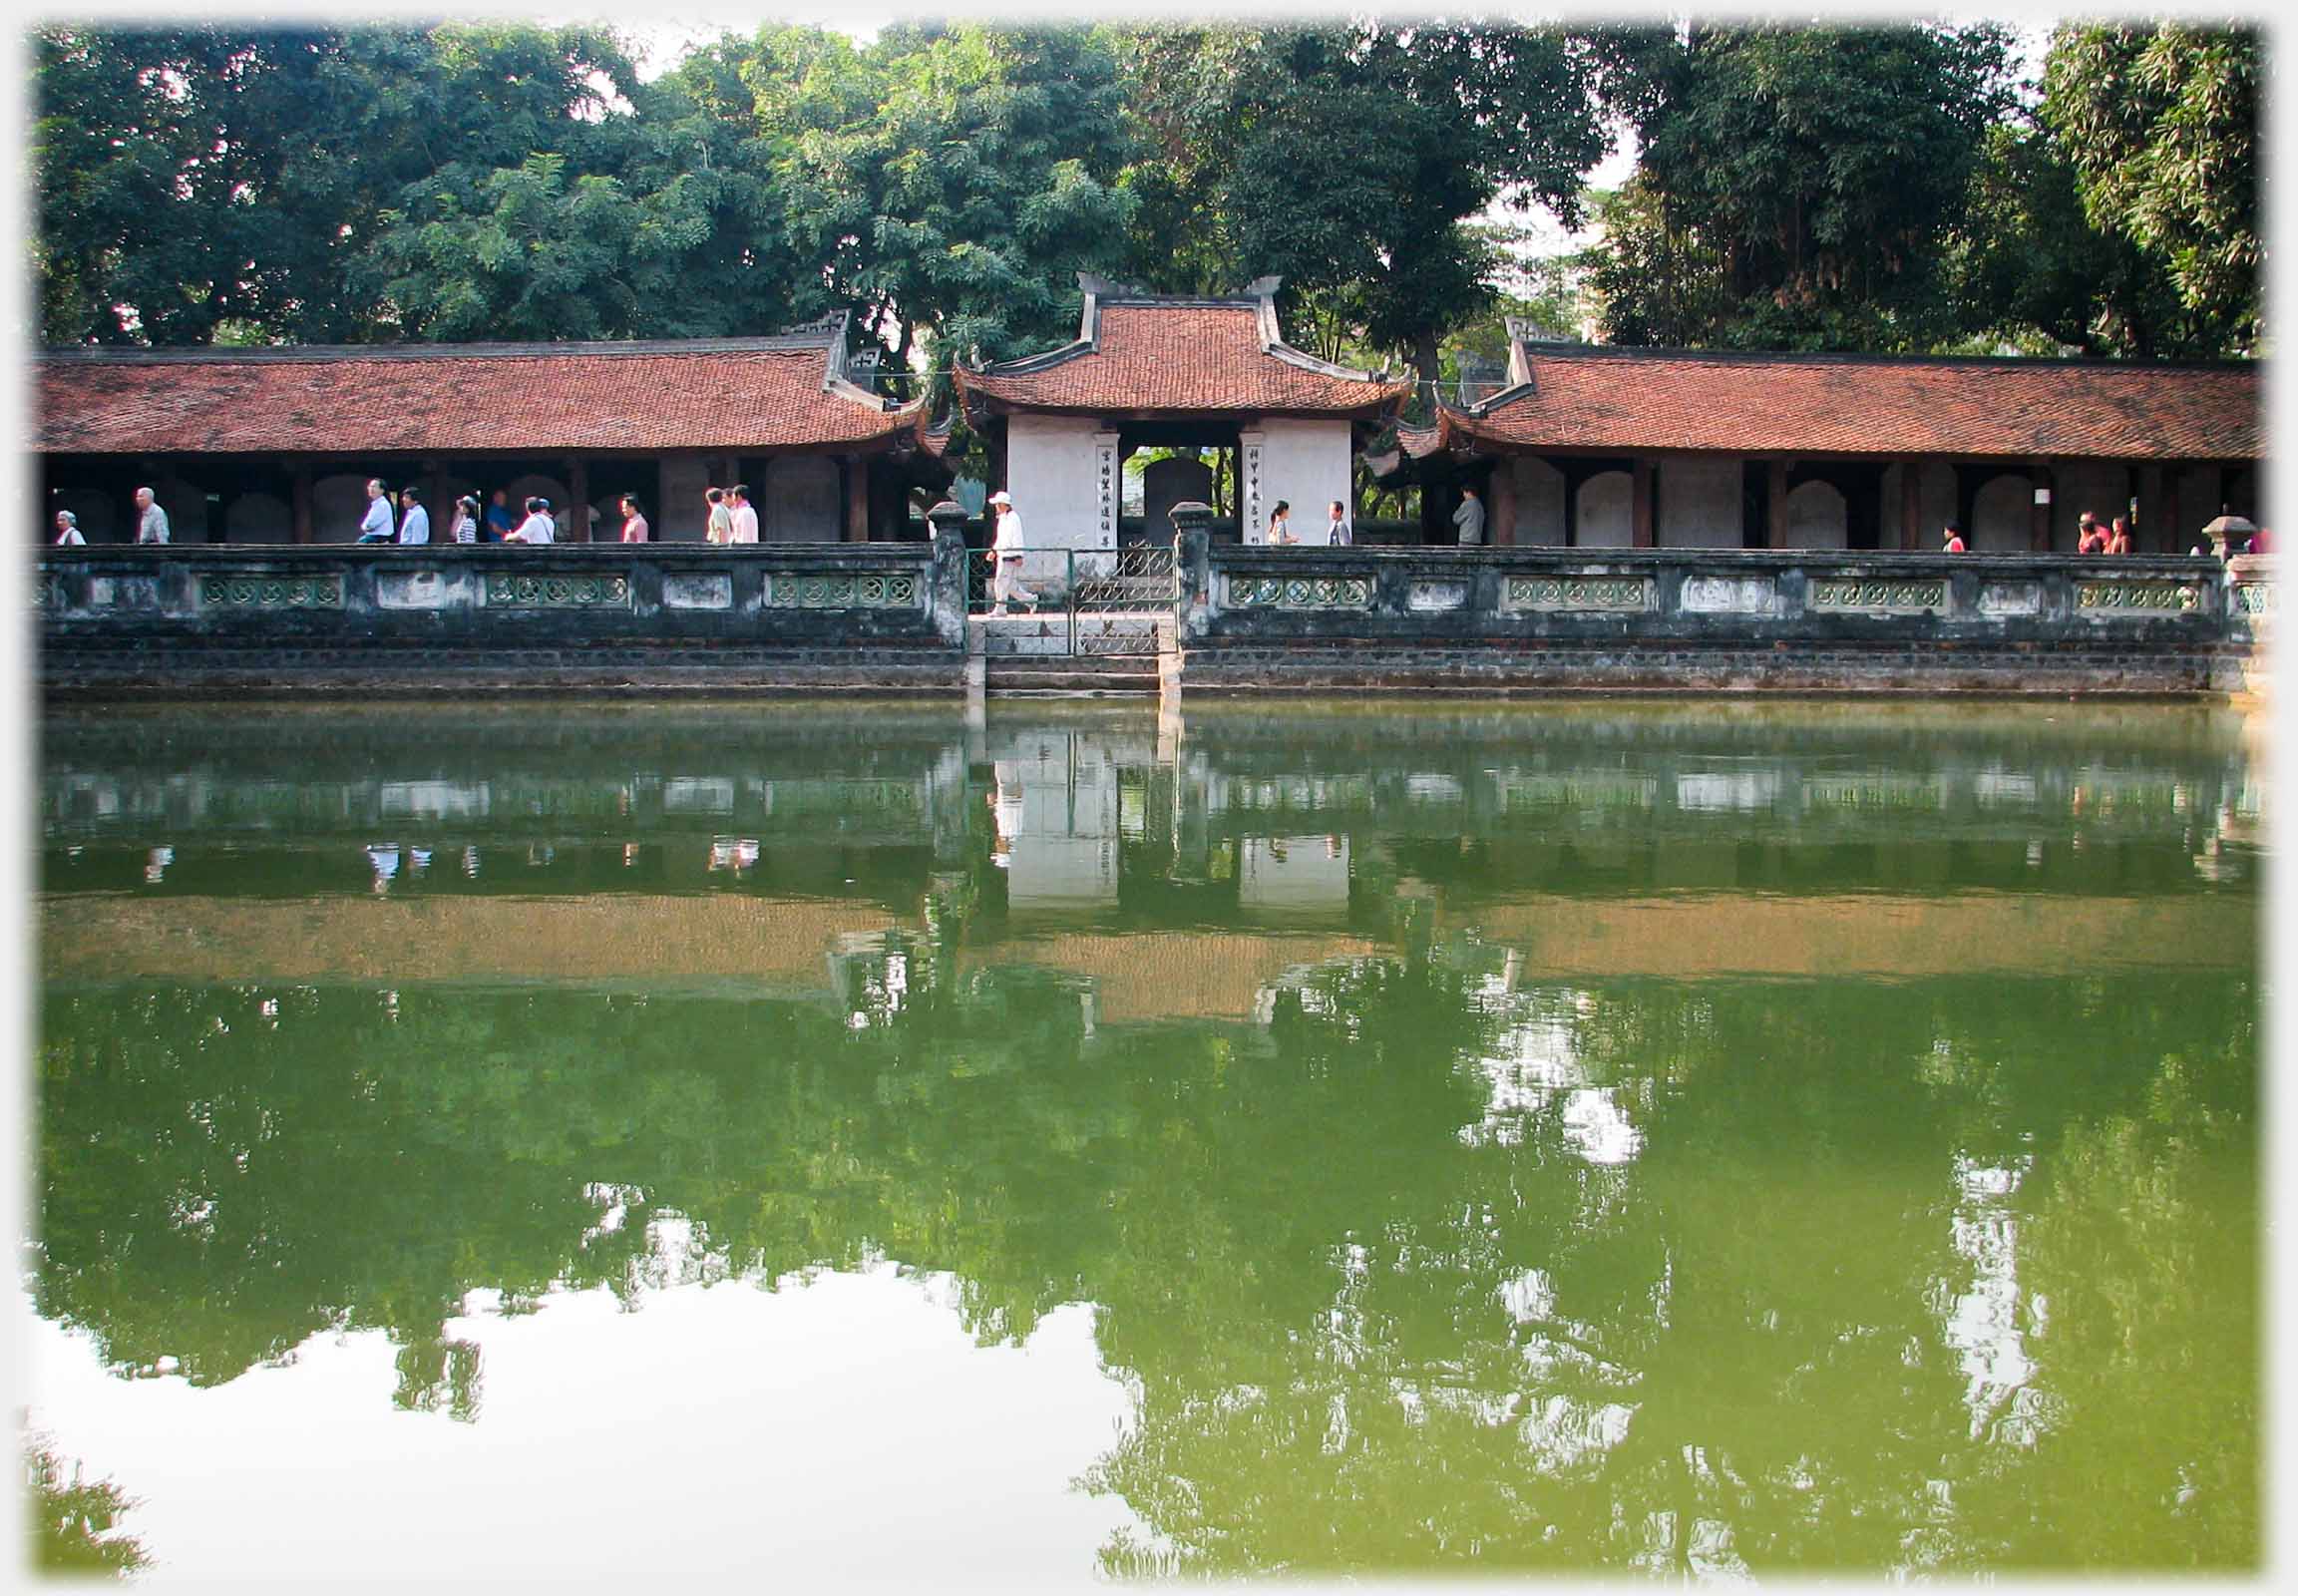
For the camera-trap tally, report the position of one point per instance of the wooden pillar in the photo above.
(1775, 505)
(2149, 535)
(2039, 515)
(301, 497)
(1642, 513)
(1967, 504)
(857, 497)
(1573, 478)
(1500, 491)
(437, 503)
(578, 510)
(1911, 504)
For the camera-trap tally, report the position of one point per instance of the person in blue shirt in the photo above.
(499, 518)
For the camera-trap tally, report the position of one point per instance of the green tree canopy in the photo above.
(2159, 123)
(1350, 158)
(1795, 184)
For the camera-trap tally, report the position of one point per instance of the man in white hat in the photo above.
(1006, 549)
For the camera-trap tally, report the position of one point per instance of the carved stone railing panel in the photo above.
(247, 589)
(863, 590)
(2135, 598)
(1262, 591)
(571, 590)
(1876, 595)
(1628, 594)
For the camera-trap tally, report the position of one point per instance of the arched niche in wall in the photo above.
(104, 517)
(1606, 512)
(187, 507)
(1539, 490)
(337, 505)
(2002, 515)
(800, 501)
(1818, 517)
(258, 518)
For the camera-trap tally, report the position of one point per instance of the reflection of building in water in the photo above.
(1983, 1321)
(1056, 803)
(733, 853)
(1281, 878)
(434, 800)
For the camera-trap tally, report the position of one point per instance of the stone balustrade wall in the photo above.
(383, 618)
(890, 617)
(1479, 619)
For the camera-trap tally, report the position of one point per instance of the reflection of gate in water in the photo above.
(1083, 600)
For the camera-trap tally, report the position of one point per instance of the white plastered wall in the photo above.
(1050, 470)
(1307, 464)
(1699, 503)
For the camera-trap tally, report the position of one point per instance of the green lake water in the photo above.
(852, 1144)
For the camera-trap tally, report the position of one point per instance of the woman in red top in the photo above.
(633, 524)
(1954, 540)
(2118, 541)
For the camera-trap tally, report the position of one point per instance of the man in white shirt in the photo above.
(537, 528)
(375, 526)
(415, 526)
(151, 520)
(1337, 529)
(67, 529)
(1006, 548)
(745, 518)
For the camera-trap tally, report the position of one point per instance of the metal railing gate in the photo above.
(1084, 601)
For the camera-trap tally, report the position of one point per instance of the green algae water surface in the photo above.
(1713, 1142)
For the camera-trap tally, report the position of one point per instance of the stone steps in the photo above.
(1124, 675)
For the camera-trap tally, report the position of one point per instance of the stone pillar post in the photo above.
(951, 557)
(1191, 559)
(1641, 515)
(2039, 513)
(2153, 529)
(1775, 505)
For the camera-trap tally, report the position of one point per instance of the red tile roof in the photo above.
(728, 393)
(1177, 356)
(1592, 398)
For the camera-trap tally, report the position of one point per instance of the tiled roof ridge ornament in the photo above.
(839, 364)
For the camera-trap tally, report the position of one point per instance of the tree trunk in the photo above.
(1425, 358)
